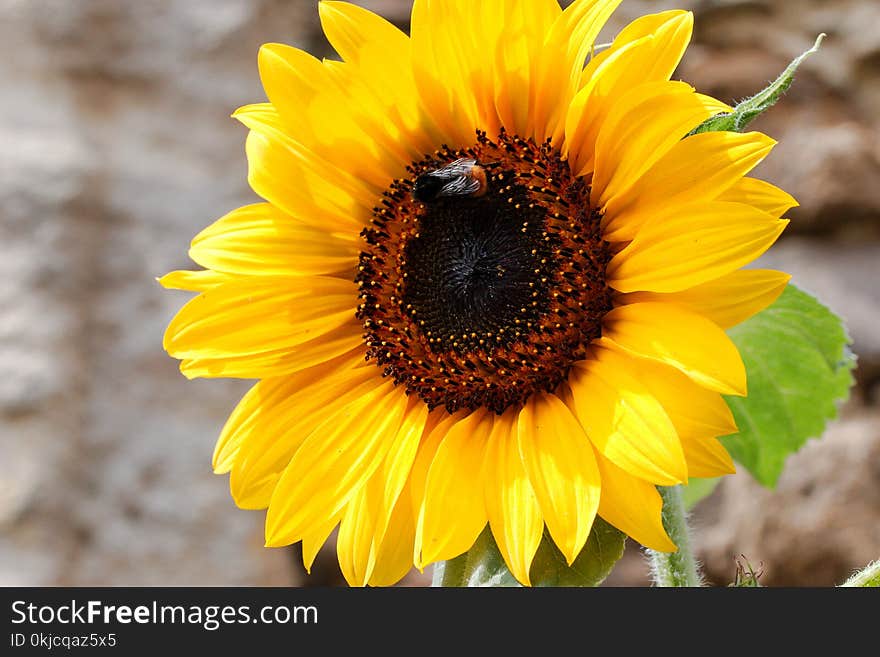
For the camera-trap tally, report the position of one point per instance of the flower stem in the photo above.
(674, 568)
(869, 577)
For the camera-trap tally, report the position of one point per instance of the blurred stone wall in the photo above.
(118, 148)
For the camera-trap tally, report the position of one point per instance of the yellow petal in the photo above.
(619, 71)
(631, 60)
(624, 421)
(522, 27)
(359, 133)
(727, 300)
(293, 80)
(489, 19)
(559, 460)
(633, 506)
(396, 468)
(475, 63)
(452, 513)
(566, 48)
(695, 169)
(394, 555)
(351, 30)
(681, 338)
(356, 535)
(325, 109)
(672, 30)
(259, 314)
(673, 26)
(259, 239)
(333, 463)
(695, 411)
(761, 195)
(296, 181)
(334, 343)
(274, 397)
(696, 244)
(314, 540)
(379, 56)
(192, 281)
(443, 49)
(278, 424)
(324, 177)
(706, 457)
(231, 436)
(641, 127)
(511, 505)
(438, 424)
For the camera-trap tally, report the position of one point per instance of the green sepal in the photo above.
(483, 564)
(603, 549)
(749, 109)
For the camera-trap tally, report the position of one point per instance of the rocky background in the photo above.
(118, 148)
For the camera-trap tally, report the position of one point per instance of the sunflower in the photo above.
(489, 284)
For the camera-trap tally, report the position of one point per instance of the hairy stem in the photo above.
(674, 568)
(869, 577)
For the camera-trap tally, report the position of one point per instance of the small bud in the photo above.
(749, 109)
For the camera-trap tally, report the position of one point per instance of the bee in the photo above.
(464, 177)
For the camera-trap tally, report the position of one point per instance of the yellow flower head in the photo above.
(489, 284)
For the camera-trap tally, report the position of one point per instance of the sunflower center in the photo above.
(483, 276)
(476, 268)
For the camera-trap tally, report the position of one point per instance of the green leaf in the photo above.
(749, 109)
(696, 490)
(799, 368)
(483, 564)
